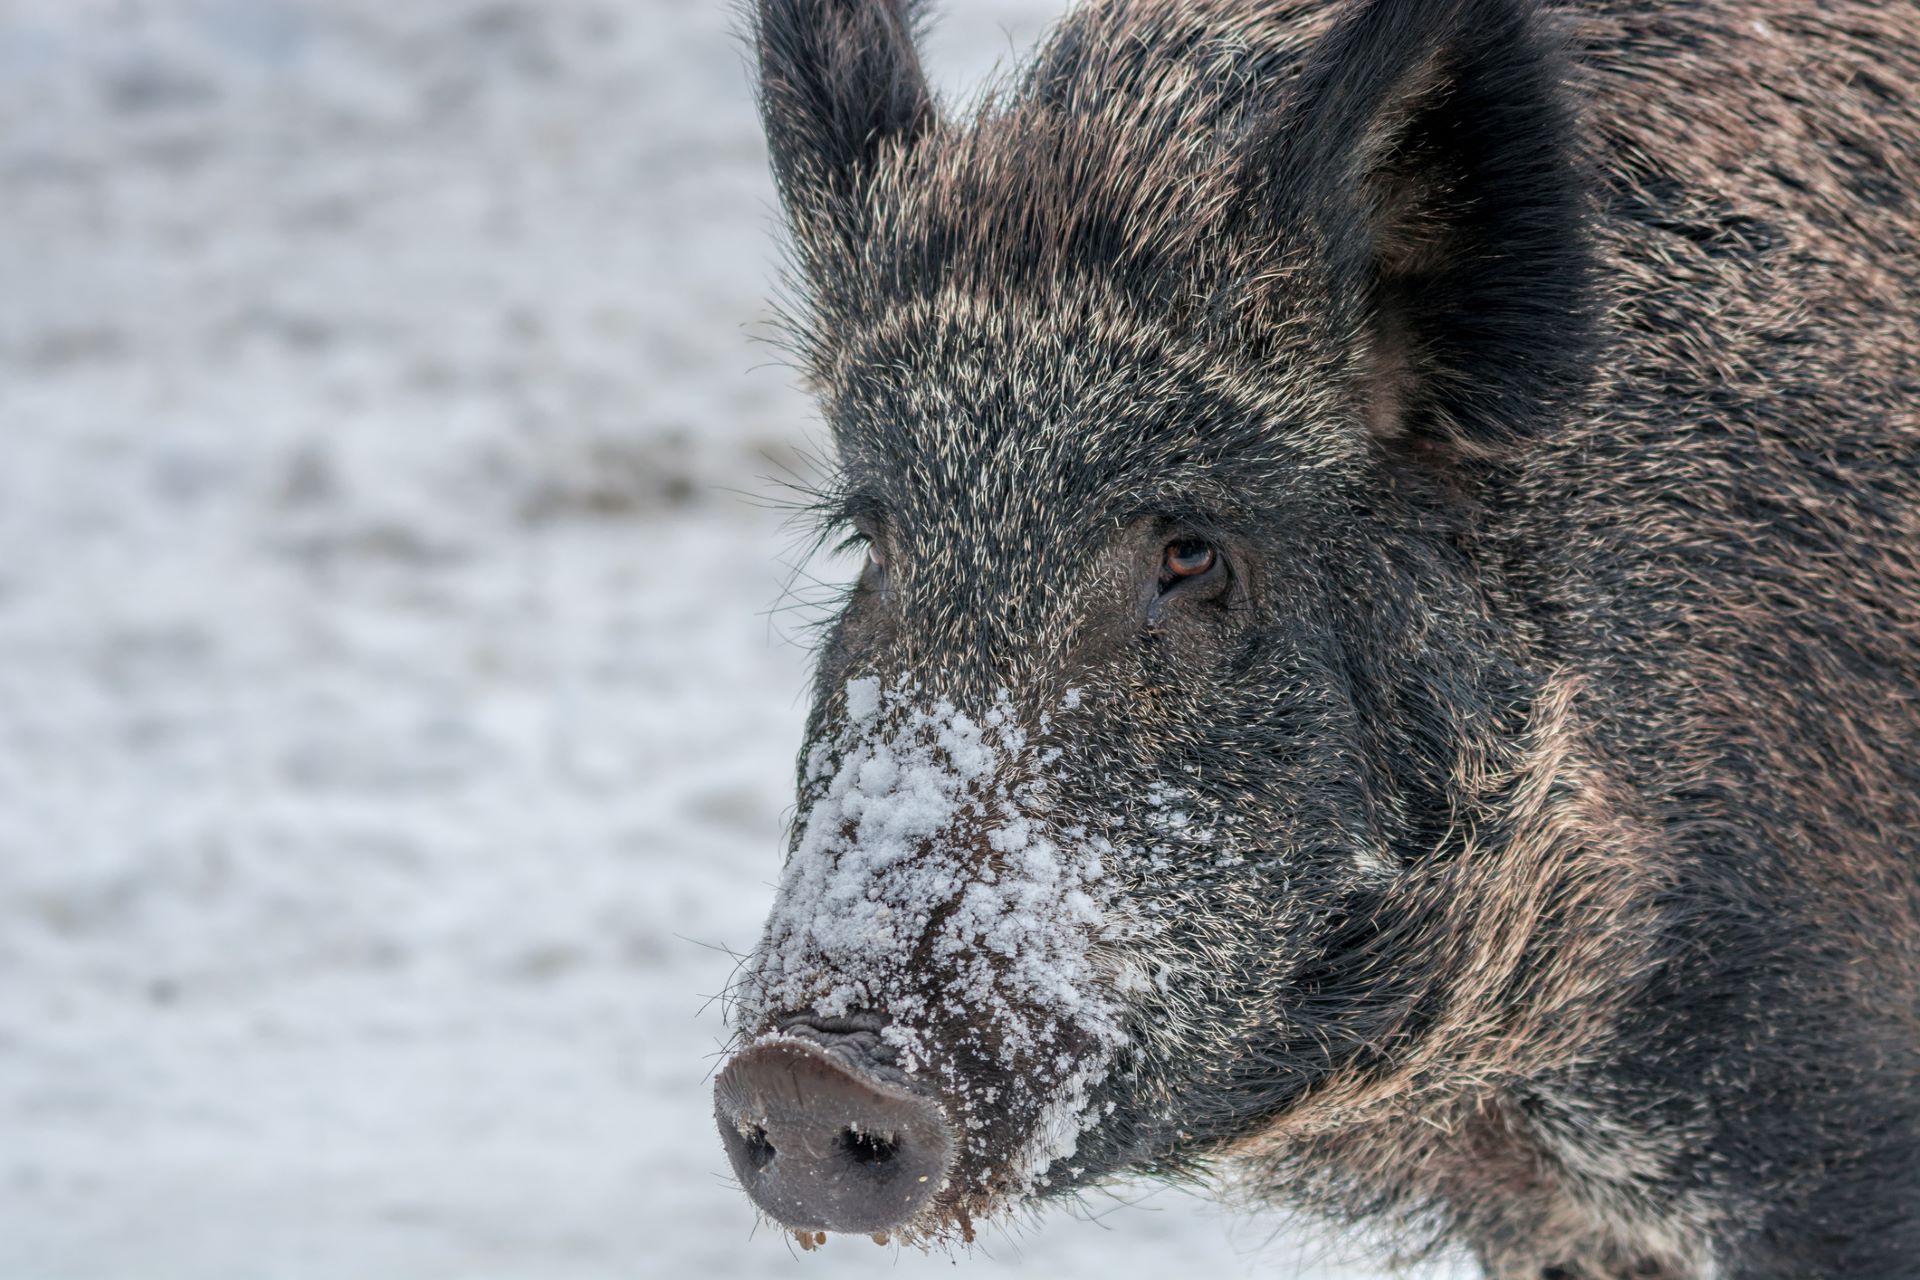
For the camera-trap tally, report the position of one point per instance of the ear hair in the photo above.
(840, 81)
(1430, 156)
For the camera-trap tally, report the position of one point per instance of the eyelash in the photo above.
(855, 541)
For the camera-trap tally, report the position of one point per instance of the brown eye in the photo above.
(1188, 559)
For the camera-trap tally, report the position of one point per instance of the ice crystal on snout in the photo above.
(929, 882)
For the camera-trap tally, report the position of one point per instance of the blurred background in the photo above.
(397, 704)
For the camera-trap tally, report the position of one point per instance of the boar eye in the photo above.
(873, 559)
(1188, 558)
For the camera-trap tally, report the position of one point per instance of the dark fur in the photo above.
(1549, 378)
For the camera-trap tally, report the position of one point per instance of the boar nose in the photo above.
(822, 1143)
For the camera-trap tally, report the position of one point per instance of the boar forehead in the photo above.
(1011, 436)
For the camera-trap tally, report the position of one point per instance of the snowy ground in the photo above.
(391, 721)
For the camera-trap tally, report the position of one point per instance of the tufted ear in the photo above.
(840, 81)
(1429, 152)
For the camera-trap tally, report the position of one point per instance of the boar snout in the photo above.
(823, 1142)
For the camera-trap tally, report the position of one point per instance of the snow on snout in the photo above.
(927, 844)
(908, 802)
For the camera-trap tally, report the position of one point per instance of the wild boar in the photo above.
(1387, 673)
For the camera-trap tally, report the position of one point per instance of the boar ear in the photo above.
(840, 81)
(1430, 151)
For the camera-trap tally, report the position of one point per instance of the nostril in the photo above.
(758, 1150)
(869, 1149)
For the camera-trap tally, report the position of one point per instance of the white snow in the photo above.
(391, 735)
(916, 810)
(901, 829)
